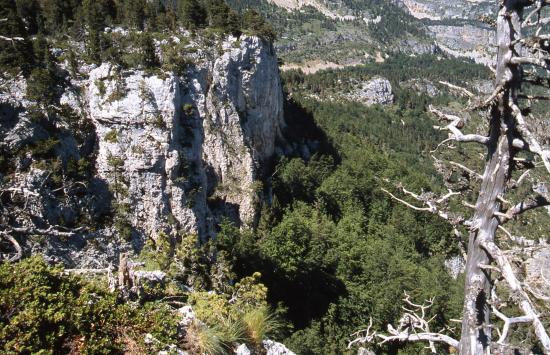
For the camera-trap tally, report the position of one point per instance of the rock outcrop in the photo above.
(445, 9)
(167, 153)
(537, 269)
(466, 41)
(167, 143)
(375, 91)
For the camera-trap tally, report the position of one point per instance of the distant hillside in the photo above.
(350, 32)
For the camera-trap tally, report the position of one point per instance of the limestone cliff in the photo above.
(173, 152)
(445, 9)
(182, 139)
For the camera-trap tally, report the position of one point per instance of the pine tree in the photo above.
(233, 24)
(57, 15)
(191, 13)
(134, 13)
(149, 57)
(15, 50)
(256, 24)
(29, 11)
(218, 12)
(93, 46)
(42, 83)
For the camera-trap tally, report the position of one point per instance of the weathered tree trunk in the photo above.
(476, 331)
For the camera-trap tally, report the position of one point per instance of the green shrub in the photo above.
(101, 87)
(188, 110)
(258, 26)
(44, 148)
(111, 136)
(158, 121)
(202, 339)
(120, 217)
(259, 323)
(119, 91)
(42, 86)
(44, 311)
(115, 162)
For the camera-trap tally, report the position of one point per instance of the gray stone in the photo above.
(537, 269)
(375, 91)
(243, 350)
(274, 348)
(171, 133)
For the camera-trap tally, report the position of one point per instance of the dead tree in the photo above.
(18, 216)
(522, 71)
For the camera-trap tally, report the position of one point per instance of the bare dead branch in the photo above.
(505, 231)
(524, 303)
(428, 209)
(57, 231)
(430, 202)
(535, 11)
(529, 203)
(460, 89)
(413, 326)
(453, 127)
(522, 177)
(430, 337)
(87, 271)
(507, 322)
(488, 101)
(21, 190)
(11, 39)
(534, 97)
(471, 172)
(532, 144)
(540, 62)
(18, 250)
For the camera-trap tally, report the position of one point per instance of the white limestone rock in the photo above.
(466, 41)
(537, 269)
(243, 117)
(187, 315)
(243, 350)
(274, 348)
(165, 141)
(375, 91)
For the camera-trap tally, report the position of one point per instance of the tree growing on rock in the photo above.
(497, 297)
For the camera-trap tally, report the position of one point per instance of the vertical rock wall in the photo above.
(169, 144)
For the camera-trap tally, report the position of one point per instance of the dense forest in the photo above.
(40, 22)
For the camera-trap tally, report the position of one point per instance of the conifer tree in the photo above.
(29, 11)
(149, 57)
(191, 13)
(134, 13)
(218, 12)
(15, 50)
(256, 24)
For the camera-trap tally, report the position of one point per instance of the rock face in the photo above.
(467, 41)
(166, 153)
(330, 9)
(538, 272)
(375, 91)
(445, 9)
(167, 143)
(422, 86)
